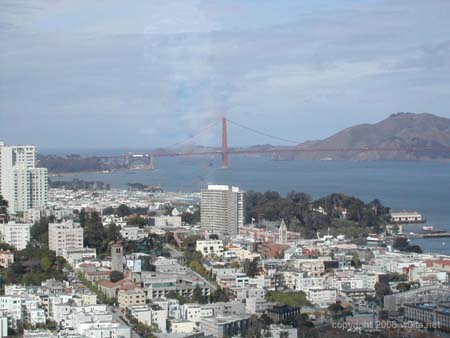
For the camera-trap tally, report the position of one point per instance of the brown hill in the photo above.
(425, 135)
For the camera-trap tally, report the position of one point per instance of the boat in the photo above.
(428, 228)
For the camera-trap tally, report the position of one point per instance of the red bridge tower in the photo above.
(224, 144)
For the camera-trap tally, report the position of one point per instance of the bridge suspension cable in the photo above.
(200, 132)
(261, 133)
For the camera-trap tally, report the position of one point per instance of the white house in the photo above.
(210, 247)
(322, 296)
(132, 233)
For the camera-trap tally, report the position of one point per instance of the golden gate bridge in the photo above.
(224, 151)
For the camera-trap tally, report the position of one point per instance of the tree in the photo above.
(251, 267)
(335, 309)
(414, 248)
(382, 289)
(267, 333)
(191, 217)
(94, 235)
(6, 246)
(116, 276)
(198, 296)
(299, 197)
(137, 220)
(123, 211)
(190, 246)
(291, 298)
(284, 334)
(39, 230)
(3, 206)
(198, 267)
(402, 244)
(174, 295)
(112, 233)
(300, 211)
(46, 264)
(108, 211)
(147, 264)
(219, 296)
(356, 262)
(303, 321)
(234, 265)
(402, 287)
(168, 210)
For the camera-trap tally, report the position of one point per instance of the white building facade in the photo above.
(67, 235)
(16, 234)
(22, 184)
(210, 247)
(222, 209)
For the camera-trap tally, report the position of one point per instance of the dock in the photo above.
(437, 234)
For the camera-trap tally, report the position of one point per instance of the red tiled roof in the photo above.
(98, 273)
(432, 262)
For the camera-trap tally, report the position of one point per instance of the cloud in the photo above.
(160, 71)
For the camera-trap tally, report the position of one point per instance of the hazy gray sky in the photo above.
(148, 73)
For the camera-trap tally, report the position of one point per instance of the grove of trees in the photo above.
(301, 214)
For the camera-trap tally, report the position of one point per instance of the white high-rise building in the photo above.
(15, 234)
(67, 235)
(22, 184)
(222, 209)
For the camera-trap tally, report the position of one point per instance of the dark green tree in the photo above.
(112, 233)
(123, 211)
(198, 296)
(108, 211)
(251, 268)
(336, 310)
(382, 289)
(39, 230)
(402, 244)
(116, 276)
(3, 206)
(137, 221)
(219, 296)
(402, 287)
(191, 218)
(94, 234)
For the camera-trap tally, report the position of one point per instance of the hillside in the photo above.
(402, 130)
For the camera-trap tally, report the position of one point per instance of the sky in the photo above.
(151, 73)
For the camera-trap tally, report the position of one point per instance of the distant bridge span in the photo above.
(224, 151)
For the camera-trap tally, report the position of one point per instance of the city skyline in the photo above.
(224, 168)
(303, 70)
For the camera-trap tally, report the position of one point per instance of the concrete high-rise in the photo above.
(67, 235)
(22, 184)
(222, 209)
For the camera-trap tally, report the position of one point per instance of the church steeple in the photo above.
(282, 233)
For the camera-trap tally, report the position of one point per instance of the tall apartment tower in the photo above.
(117, 257)
(67, 235)
(22, 184)
(222, 209)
